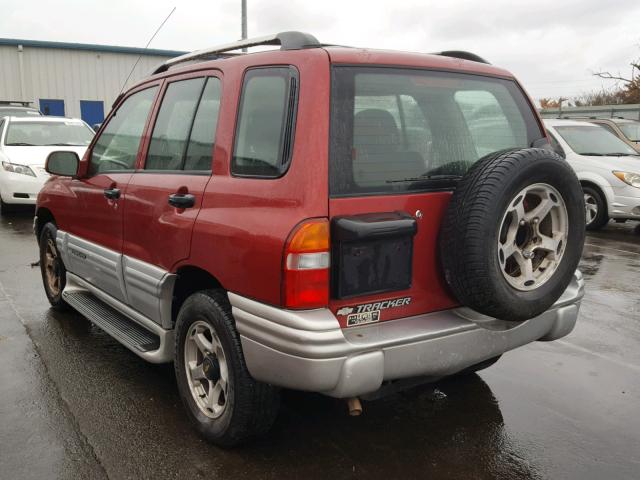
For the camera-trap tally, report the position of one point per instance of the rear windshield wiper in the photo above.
(423, 178)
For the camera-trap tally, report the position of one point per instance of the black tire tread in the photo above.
(603, 215)
(462, 234)
(256, 404)
(57, 303)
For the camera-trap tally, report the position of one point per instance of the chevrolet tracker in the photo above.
(321, 218)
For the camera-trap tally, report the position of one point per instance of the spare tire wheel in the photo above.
(513, 233)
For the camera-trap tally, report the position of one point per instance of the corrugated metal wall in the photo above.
(69, 75)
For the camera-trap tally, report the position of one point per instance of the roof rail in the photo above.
(463, 55)
(286, 40)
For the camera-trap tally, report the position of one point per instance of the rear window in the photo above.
(401, 130)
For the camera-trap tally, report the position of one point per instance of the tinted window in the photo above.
(117, 146)
(265, 125)
(171, 131)
(203, 132)
(592, 140)
(395, 130)
(66, 133)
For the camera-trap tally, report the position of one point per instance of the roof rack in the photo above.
(286, 40)
(463, 55)
(16, 103)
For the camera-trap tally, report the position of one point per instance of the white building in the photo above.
(71, 79)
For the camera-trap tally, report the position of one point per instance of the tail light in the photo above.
(306, 266)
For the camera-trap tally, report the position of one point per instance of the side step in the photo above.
(126, 331)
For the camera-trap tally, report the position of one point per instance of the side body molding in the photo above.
(142, 286)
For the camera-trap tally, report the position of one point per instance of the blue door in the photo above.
(92, 111)
(52, 107)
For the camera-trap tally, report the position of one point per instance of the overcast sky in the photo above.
(552, 46)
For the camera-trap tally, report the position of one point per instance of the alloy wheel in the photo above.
(533, 236)
(206, 369)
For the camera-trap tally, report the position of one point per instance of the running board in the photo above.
(153, 344)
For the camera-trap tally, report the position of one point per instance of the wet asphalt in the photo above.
(76, 404)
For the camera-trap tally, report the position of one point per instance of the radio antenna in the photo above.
(145, 47)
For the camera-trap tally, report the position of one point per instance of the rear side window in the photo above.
(117, 147)
(184, 131)
(265, 127)
(402, 130)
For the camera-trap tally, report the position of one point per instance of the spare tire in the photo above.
(513, 233)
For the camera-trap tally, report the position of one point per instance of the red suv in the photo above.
(330, 219)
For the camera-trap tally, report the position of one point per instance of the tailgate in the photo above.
(380, 263)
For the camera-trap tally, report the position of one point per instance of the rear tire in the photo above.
(596, 215)
(226, 405)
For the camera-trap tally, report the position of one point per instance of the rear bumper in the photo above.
(307, 350)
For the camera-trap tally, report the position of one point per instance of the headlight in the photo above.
(15, 168)
(629, 178)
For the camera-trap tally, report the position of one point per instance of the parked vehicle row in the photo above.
(329, 219)
(607, 166)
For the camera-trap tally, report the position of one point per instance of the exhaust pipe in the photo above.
(355, 407)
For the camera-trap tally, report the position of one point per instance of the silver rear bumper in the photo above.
(307, 350)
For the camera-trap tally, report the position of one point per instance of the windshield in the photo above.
(402, 130)
(631, 131)
(48, 133)
(588, 140)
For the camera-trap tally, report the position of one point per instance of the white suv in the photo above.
(608, 169)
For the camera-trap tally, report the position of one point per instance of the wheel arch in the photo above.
(43, 216)
(189, 280)
(599, 189)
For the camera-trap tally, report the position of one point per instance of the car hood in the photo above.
(36, 156)
(624, 164)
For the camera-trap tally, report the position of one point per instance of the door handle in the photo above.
(182, 200)
(112, 193)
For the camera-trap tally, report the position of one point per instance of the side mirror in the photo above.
(62, 163)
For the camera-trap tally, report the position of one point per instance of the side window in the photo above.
(1, 127)
(491, 127)
(117, 147)
(171, 130)
(203, 133)
(264, 133)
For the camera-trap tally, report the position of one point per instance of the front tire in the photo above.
(224, 402)
(596, 215)
(54, 274)
(6, 208)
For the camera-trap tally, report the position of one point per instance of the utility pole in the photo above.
(244, 21)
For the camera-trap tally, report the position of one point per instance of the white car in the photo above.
(608, 169)
(25, 143)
